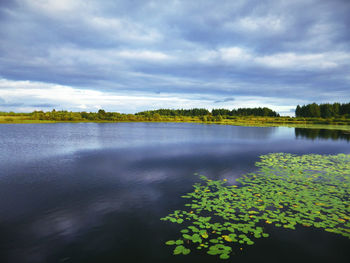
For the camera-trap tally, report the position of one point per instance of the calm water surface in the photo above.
(95, 192)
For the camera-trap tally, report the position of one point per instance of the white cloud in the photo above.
(66, 97)
(122, 29)
(86, 15)
(54, 7)
(77, 99)
(304, 61)
(234, 54)
(230, 55)
(253, 24)
(239, 56)
(115, 58)
(143, 55)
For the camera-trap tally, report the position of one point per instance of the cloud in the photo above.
(224, 100)
(5, 104)
(289, 60)
(302, 61)
(77, 99)
(42, 105)
(123, 30)
(48, 96)
(55, 7)
(269, 49)
(143, 55)
(13, 104)
(271, 24)
(234, 54)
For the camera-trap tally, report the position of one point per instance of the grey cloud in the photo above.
(171, 46)
(5, 104)
(43, 105)
(224, 100)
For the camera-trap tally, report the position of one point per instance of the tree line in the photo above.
(325, 110)
(153, 115)
(214, 112)
(174, 112)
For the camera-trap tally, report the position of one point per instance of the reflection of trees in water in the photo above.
(322, 133)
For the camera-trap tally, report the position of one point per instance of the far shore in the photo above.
(242, 121)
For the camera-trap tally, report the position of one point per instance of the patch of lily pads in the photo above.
(288, 190)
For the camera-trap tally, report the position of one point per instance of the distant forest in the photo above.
(327, 113)
(325, 110)
(154, 115)
(214, 112)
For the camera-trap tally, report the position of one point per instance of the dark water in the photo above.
(95, 192)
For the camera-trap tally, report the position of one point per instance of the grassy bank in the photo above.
(317, 123)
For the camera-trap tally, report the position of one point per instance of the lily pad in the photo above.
(287, 190)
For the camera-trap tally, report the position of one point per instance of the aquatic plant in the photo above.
(288, 190)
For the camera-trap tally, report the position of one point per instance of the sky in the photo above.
(134, 55)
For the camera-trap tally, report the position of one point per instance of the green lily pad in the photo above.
(287, 190)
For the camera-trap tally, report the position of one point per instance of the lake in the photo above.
(95, 192)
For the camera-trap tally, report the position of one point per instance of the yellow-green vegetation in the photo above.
(288, 190)
(316, 123)
(191, 116)
(21, 119)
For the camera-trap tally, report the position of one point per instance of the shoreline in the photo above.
(261, 123)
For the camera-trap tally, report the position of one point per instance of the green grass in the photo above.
(341, 124)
